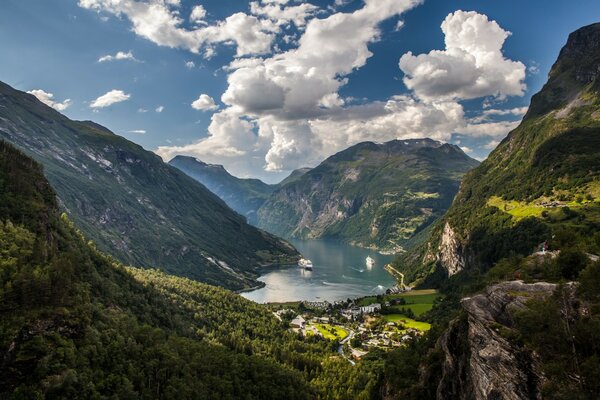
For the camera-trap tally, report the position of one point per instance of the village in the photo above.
(361, 325)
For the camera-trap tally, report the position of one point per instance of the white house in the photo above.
(370, 308)
(298, 322)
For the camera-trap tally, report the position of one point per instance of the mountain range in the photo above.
(133, 205)
(370, 195)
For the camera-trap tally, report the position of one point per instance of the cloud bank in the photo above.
(283, 108)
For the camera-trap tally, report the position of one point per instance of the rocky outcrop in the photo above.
(450, 251)
(480, 362)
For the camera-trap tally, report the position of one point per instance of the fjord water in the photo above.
(340, 272)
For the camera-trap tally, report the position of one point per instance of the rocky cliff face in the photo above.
(450, 252)
(376, 195)
(479, 361)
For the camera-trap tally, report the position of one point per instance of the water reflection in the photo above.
(340, 271)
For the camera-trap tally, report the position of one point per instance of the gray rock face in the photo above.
(450, 256)
(480, 363)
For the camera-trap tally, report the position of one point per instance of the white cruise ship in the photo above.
(305, 264)
(370, 262)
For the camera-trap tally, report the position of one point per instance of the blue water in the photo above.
(340, 272)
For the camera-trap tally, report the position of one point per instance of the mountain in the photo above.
(243, 195)
(372, 195)
(74, 324)
(542, 183)
(132, 205)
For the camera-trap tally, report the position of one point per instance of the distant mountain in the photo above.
(542, 183)
(243, 195)
(132, 205)
(372, 195)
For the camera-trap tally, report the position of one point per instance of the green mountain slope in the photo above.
(133, 205)
(542, 183)
(74, 324)
(243, 195)
(372, 195)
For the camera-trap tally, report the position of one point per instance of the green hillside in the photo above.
(243, 195)
(542, 183)
(74, 324)
(371, 195)
(132, 205)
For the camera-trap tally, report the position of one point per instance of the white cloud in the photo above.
(48, 99)
(110, 98)
(492, 144)
(466, 149)
(204, 103)
(198, 14)
(142, 110)
(138, 131)
(533, 68)
(471, 66)
(121, 55)
(279, 14)
(190, 64)
(159, 109)
(160, 22)
(284, 111)
(518, 111)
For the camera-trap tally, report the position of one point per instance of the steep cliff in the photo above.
(372, 195)
(480, 362)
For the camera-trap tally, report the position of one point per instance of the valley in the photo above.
(441, 241)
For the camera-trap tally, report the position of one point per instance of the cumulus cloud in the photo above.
(280, 14)
(110, 98)
(471, 66)
(518, 111)
(190, 64)
(121, 55)
(160, 22)
(204, 103)
(159, 109)
(48, 99)
(284, 111)
(198, 14)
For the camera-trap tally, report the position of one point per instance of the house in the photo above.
(371, 308)
(298, 322)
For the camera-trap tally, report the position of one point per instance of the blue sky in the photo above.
(292, 82)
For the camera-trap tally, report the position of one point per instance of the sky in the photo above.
(268, 86)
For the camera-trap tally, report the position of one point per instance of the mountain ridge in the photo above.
(244, 195)
(372, 195)
(133, 205)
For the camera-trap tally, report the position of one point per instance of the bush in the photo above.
(571, 262)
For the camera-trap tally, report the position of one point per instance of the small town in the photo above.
(361, 325)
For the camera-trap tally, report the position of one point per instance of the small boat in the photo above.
(305, 264)
(370, 262)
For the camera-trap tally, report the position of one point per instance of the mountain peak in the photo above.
(577, 67)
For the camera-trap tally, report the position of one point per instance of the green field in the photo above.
(325, 330)
(419, 301)
(407, 322)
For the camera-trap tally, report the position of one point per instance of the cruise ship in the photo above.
(305, 264)
(370, 262)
